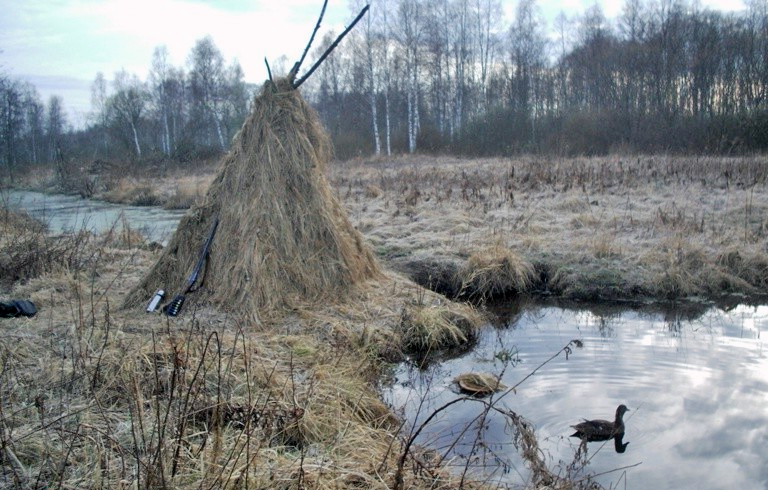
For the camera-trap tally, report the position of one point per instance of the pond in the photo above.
(695, 380)
(65, 214)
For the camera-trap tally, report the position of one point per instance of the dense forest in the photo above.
(445, 76)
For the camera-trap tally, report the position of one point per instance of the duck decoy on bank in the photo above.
(601, 430)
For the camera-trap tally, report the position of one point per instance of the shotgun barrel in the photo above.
(173, 308)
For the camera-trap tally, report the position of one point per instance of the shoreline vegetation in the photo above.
(94, 396)
(616, 228)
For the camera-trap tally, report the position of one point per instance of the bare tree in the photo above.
(528, 46)
(408, 33)
(34, 117)
(438, 26)
(463, 60)
(366, 46)
(160, 93)
(11, 119)
(55, 127)
(488, 21)
(235, 99)
(756, 54)
(207, 82)
(127, 105)
(100, 111)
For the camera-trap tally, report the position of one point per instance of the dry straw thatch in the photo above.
(283, 238)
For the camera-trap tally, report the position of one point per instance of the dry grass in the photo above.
(133, 192)
(187, 191)
(594, 228)
(96, 397)
(494, 272)
(93, 397)
(287, 239)
(27, 251)
(430, 328)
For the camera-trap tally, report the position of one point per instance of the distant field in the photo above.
(593, 228)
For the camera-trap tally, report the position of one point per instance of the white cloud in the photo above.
(75, 39)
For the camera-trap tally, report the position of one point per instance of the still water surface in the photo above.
(696, 383)
(65, 214)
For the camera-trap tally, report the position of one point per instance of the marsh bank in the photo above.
(634, 228)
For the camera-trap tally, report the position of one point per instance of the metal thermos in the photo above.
(156, 299)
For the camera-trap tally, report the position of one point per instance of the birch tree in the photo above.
(409, 35)
(127, 105)
(367, 47)
(488, 21)
(159, 85)
(207, 81)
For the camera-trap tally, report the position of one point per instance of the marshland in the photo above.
(419, 321)
(98, 396)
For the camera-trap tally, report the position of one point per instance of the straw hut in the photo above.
(283, 239)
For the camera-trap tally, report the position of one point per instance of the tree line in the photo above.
(446, 76)
(453, 76)
(176, 114)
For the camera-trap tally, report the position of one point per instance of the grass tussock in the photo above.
(748, 265)
(429, 329)
(495, 272)
(689, 271)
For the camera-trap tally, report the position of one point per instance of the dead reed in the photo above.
(27, 251)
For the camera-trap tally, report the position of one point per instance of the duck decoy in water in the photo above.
(601, 430)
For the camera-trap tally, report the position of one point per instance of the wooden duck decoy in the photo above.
(601, 430)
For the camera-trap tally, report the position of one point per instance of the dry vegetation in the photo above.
(603, 228)
(588, 228)
(97, 397)
(608, 228)
(92, 396)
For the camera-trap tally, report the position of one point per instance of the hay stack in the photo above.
(283, 237)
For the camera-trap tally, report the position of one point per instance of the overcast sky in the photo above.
(60, 45)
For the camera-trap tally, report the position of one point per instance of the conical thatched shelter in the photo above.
(283, 238)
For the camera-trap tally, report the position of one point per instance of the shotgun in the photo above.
(173, 308)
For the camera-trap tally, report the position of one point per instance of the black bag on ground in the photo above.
(17, 307)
